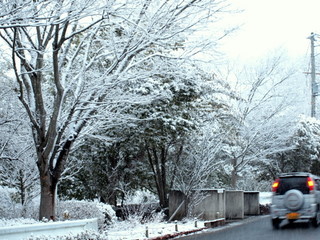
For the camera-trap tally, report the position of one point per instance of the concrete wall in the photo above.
(207, 204)
(234, 204)
(251, 203)
(211, 205)
(177, 199)
(54, 229)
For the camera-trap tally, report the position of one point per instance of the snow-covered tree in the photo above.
(17, 165)
(262, 127)
(201, 157)
(74, 59)
(303, 149)
(103, 170)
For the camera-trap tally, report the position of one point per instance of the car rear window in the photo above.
(288, 183)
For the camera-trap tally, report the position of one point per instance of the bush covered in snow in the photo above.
(75, 209)
(11, 207)
(140, 197)
(66, 210)
(140, 207)
(8, 206)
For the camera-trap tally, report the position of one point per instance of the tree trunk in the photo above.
(48, 197)
(234, 173)
(49, 178)
(22, 187)
(158, 167)
(234, 179)
(163, 179)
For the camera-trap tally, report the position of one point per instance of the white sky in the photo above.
(270, 25)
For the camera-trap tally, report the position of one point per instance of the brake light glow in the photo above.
(275, 185)
(310, 183)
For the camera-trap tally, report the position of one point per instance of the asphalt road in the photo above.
(260, 229)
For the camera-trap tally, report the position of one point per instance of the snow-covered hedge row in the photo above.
(72, 209)
(75, 209)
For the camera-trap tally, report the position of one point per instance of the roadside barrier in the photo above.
(215, 223)
(53, 229)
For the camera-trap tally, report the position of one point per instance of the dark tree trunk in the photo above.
(48, 197)
(22, 187)
(234, 174)
(50, 175)
(158, 166)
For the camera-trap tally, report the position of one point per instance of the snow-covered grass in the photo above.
(87, 235)
(125, 230)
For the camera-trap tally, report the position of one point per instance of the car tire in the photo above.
(291, 221)
(276, 223)
(314, 222)
(293, 200)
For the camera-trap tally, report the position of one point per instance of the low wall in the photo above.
(234, 204)
(208, 204)
(211, 205)
(177, 205)
(53, 229)
(251, 203)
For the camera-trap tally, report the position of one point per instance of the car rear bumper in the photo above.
(305, 213)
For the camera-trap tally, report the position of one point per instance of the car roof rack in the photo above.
(295, 174)
(298, 174)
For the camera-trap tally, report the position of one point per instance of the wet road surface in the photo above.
(260, 229)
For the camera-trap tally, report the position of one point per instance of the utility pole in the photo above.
(314, 87)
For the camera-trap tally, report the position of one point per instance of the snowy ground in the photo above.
(122, 230)
(162, 229)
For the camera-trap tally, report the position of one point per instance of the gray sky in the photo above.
(271, 25)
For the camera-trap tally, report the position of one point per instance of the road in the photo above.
(260, 229)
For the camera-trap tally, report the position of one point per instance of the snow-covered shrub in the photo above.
(140, 206)
(139, 197)
(31, 210)
(11, 207)
(85, 209)
(142, 213)
(8, 206)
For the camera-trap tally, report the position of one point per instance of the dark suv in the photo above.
(295, 196)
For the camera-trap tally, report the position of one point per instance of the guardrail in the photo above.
(53, 229)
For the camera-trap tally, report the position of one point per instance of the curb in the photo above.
(173, 235)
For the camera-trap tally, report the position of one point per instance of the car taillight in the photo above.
(275, 185)
(310, 183)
